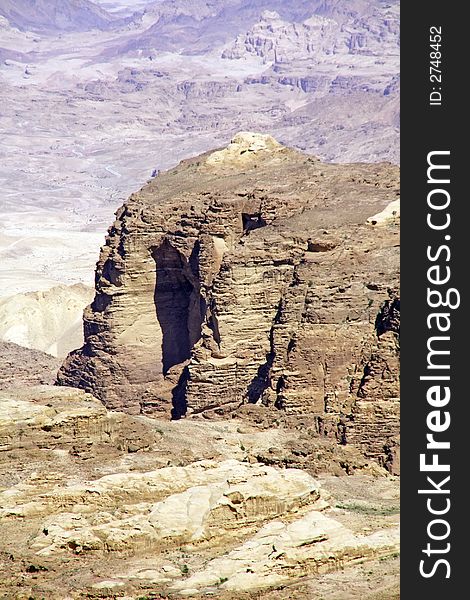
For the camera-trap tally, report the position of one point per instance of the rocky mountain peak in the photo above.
(250, 275)
(270, 15)
(244, 146)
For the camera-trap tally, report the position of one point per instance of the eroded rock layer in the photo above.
(252, 275)
(102, 504)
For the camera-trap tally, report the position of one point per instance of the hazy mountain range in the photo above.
(54, 15)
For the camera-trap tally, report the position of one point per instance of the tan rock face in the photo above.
(251, 275)
(305, 546)
(38, 417)
(92, 499)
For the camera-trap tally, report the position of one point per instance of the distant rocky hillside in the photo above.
(253, 275)
(318, 37)
(277, 40)
(21, 366)
(54, 15)
(327, 68)
(197, 26)
(49, 321)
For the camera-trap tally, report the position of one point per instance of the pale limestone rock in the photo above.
(243, 147)
(313, 544)
(389, 213)
(139, 527)
(217, 499)
(107, 584)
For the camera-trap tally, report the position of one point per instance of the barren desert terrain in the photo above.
(88, 115)
(199, 299)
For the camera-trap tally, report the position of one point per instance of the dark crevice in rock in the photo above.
(179, 305)
(262, 380)
(179, 401)
(280, 402)
(111, 272)
(365, 376)
(341, 435)
(252, 221)
(388, 318)
(101, 302)
(213, 323)
(194, 260)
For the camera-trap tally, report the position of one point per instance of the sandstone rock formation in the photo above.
(204, 501)
(250, 275)
(94, 501)
(71, 419)
(307, 545)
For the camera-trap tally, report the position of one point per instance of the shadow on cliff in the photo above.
(180, 312)
(178, 400)
(178, 303)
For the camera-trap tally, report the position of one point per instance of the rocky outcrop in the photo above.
(274, 39)
(277, 40)
(311, 544)
(250, 275)
(204, 501)
(92, 500)
(40, 418)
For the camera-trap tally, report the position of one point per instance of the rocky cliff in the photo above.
(275, 39)
(254, 274)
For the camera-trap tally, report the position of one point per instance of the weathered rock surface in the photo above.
(23, 366)
(41, 419)
(94, 502)
(318, 37)
(250, 275)
(204, 501)
(307, 545)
